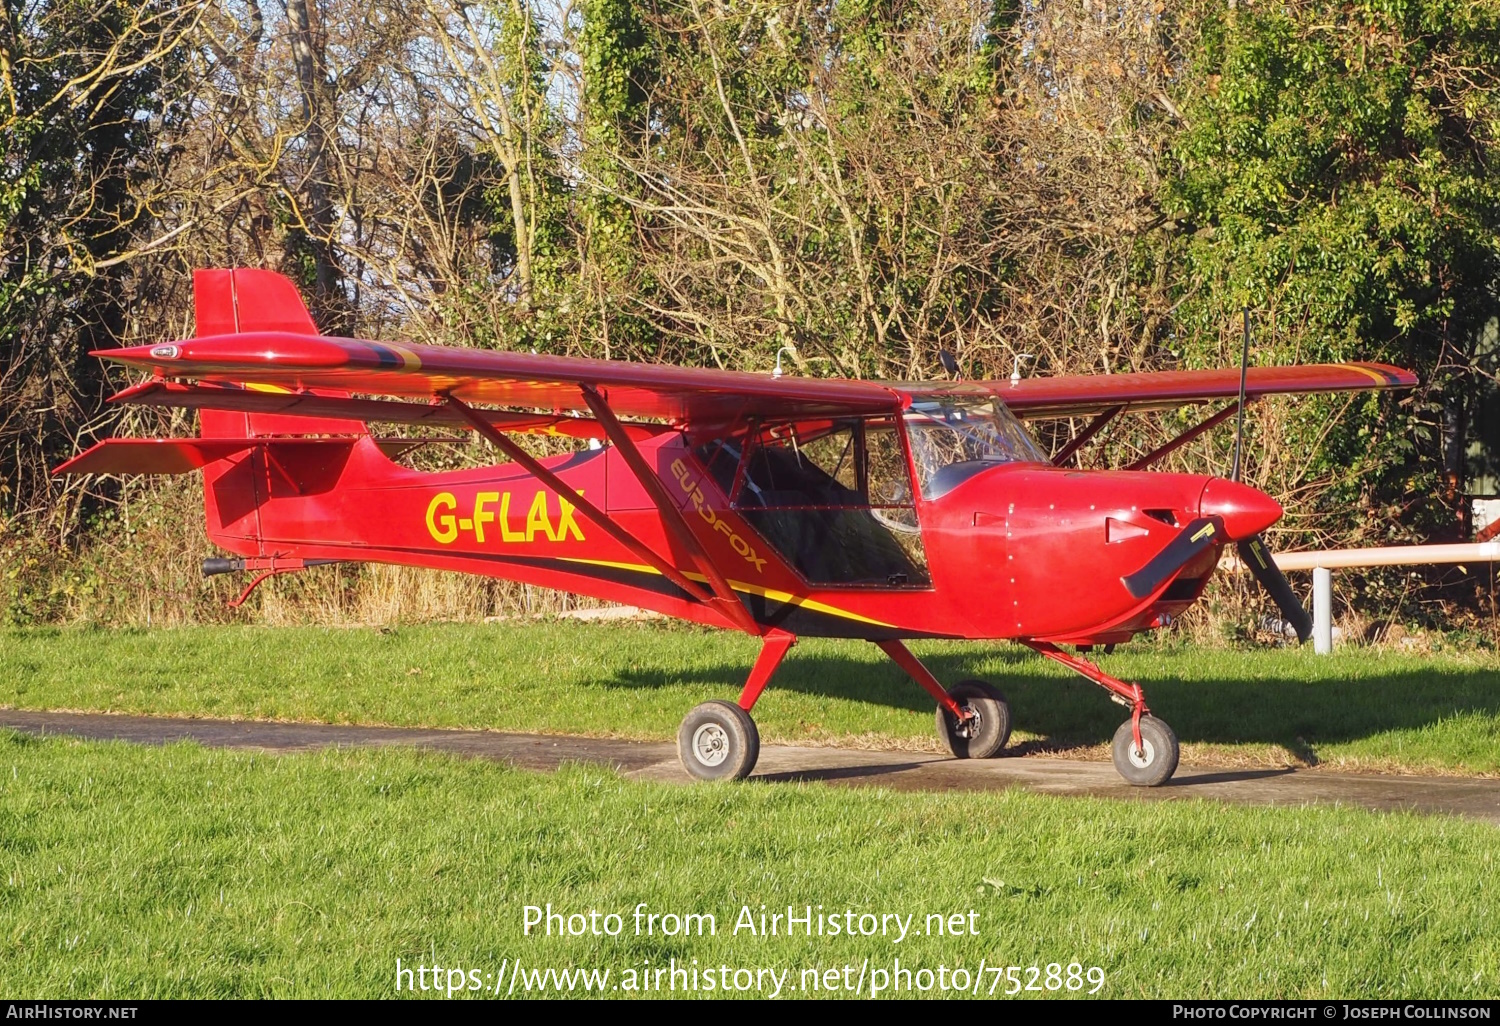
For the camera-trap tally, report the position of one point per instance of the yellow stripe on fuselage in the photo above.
(742, 586)
(409, 360)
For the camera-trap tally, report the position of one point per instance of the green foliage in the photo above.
(769, 165)
(82, 103)
(864, 183)
(1334, 173)
(531, 132)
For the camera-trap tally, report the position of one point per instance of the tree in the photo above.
(1335, 172)
(83, 107)
(867, 183)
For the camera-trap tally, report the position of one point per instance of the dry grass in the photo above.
(136, 564)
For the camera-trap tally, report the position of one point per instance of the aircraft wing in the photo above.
(298, 362)
(274, 363)
(1088, 395)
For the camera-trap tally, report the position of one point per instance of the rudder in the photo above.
(239, 300)
(231, 301)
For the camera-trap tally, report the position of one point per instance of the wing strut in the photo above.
(587, 508)
(1186, 437)
(727, 601)
(1095, 426)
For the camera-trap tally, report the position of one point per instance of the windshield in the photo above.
(952, 439)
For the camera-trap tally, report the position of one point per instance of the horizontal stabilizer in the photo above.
(183, 455)
(153, 455)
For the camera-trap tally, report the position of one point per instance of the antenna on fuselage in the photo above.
(1239, 423)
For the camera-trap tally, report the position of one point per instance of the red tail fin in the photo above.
(236, 301)
(228, 301)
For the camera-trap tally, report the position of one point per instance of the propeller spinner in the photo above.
(1228, 511)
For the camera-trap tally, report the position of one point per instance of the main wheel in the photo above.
(718, 741)
(1155, 762)
(983, 734)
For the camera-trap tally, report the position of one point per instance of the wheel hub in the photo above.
(970, 728)
(1143, 757)
(711, 744)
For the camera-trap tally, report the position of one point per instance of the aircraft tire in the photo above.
(994, 721)
(718, 741)
(1160, 759)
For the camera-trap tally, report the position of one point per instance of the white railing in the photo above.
(1322, 564)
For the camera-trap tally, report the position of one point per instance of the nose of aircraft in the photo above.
(1246, 511)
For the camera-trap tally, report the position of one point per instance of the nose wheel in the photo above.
(1147, 759)
(984, 732)
(1153, 761)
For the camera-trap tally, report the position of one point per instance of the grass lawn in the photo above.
(187, 872)
(1360, 708)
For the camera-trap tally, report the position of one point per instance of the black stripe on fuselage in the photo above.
(768, 612)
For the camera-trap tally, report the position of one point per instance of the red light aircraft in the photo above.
(778, 506)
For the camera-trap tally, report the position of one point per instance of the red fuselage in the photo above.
(1018, 550)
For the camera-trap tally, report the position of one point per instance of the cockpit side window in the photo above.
(834, 498)
(721, 458)
(809, 469)
(889, 477)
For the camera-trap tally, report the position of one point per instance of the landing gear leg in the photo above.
(718, 740)
(1145, 750)
(973, 718)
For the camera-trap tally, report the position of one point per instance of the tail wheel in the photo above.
(1155, 761)
(718, 741)
(983, 734)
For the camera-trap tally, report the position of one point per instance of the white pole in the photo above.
(1322, 610)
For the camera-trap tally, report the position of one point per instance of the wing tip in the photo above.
(1385, 375)
(152, 354)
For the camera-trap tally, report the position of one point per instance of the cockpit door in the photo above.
(835, 499)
